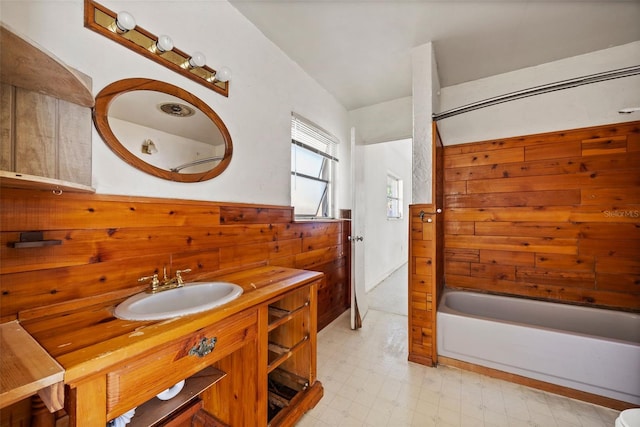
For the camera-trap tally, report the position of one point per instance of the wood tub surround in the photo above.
(108, 242)
(554, 216)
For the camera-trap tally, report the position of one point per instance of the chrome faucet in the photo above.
(166, 284)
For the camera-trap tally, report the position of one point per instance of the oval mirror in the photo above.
(162, 130)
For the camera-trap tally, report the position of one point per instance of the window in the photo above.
(394, 197)
(312, 169)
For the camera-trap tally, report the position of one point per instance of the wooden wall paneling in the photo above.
(609, 196)
(525, 198)
(74, 143)
(506, 257)
(507, 155)
(239, 255)
(38, 288)
(515, 243)
(201, 263)
(73, 211)
(284, 248)
(530, 229)
(553, 150)
(35, 140)
(321, 240)
(333, 293)
(310, 259)
(569, 278)
(554, 182)
(633, 142)
(608, 145)
(108, 242)
(7, 126)
(565, 219)
(502, 272)
(564, 262)
(254, 215)
(459, 175)
(426, 255)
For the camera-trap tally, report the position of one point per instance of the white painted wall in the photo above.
(425, 89)
(265, 87)
(386, 241)
(386, 121)
(588, 105)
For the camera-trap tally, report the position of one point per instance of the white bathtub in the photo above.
(588, 349)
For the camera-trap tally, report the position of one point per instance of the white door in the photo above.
(359, 305)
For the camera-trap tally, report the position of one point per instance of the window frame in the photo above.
(398, 199)
(307, 136)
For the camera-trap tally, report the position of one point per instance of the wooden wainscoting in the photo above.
(554, 216)
(108, 242)
(426, 265)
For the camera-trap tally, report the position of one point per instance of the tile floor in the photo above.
(369, 382)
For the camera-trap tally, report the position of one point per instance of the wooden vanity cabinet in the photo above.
(261, 372)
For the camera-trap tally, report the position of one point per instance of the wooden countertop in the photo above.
(27, 369)
(90, 340)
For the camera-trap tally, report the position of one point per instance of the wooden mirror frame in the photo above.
(101, 121)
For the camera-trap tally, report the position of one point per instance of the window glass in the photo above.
(394, 197)
(312, 169)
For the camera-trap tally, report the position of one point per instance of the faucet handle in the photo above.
(154, 280)
(179, 275)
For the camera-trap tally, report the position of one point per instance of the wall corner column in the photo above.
(426, 93)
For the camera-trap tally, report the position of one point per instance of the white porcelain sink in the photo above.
(189, 299)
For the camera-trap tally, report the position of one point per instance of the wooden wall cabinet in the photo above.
(45, 120)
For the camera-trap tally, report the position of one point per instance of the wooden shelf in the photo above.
(31, 182)
(279, 316)
(285, 391)
(278, 353)
(26, 369)
(155, 410)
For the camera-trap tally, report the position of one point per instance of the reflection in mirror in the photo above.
(163, 130)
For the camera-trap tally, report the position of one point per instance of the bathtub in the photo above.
(588, 349)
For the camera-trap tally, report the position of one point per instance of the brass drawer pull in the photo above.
(205, 347)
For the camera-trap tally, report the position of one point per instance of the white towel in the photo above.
(122, 420)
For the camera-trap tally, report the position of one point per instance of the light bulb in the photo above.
(164, 43)
(223, 74)
(197, 60)
(125, 22)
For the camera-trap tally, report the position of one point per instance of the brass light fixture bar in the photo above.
(104, 21)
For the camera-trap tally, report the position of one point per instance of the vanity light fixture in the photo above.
(197, 60)
(124, 22)
(164, 44)
(148, 147)
(222, 75)
(122, 28)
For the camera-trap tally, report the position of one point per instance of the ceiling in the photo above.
(360, 51)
